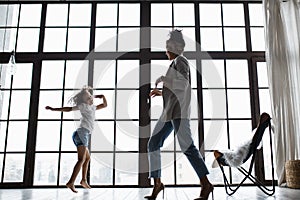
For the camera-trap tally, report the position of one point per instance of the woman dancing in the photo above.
(176, 95)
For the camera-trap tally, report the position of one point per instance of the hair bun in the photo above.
(176, 35)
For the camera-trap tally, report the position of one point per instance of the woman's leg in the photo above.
(81, 153)
(183, 132)
(161, 131)
(85, 166)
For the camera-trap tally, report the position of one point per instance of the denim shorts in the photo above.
(81, 137)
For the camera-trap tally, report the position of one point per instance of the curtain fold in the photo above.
(282, 33)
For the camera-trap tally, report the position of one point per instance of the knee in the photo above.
(88, 158)
(190, 150)
(80, 161)
(152, 145)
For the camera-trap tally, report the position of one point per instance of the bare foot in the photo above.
(85, 184)
(72, 187)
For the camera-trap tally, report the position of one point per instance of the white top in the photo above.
(87, 116)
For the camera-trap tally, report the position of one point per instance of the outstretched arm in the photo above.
(63, 109)
(102, 105)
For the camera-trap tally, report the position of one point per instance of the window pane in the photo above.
(262, 74)
(22, 78)
(127, 136)
(256, 15)
(129, 14)
(258, 39)
(4, 104)
(109, 111)
(3, 126)
(55, 40)
(214, 103)
(104, 73)
(80, 15)
(14, 168)
(49, 98)
(103, 136)
(265, 101)
(28, 40)
(215, 134)
(128, 39)
(13, 13)
(189, 38)
(211, 39)
(184, 14)
(48, 136)
(78, 34)
(240, 131)
(193, 70)
(126, 169)
(7, 39)
(239, 104)
(68, 128)
(45, 170)
(158, 38)
(105, 39)
(17, 130)
(101, 170)
(30, 15)
(20, 109)
(233, 15)
(185, 173)
(76, 73)
(52, 74)
(67, 162)
(167, 166)
(130, 98)
(213, 75)
(237, 73)
(107, 14)
(194, 104)
(210, 14)
(128, 74)
(57, 15)
(161, 14)
(235, 39)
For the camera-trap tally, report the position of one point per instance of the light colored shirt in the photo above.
(176, 91)
(87, 116)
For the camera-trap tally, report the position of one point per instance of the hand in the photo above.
(160, 79)
(48, 108)
(155, 92)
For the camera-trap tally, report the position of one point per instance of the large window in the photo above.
(62, 46)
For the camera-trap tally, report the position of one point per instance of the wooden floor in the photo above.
(244, 193)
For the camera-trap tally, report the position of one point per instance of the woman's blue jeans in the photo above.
(183, 132)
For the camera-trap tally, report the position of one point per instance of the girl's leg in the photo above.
(85, 166)
(81, 153)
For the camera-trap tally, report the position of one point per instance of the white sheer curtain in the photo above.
(282, 30)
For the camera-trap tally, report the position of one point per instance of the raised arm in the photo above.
(102, 105)
(63, 109)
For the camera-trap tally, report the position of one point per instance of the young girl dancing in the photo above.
(82, 101)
